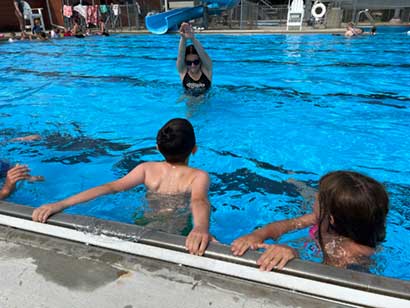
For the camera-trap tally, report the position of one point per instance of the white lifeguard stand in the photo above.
(31, 14)
(296, 12)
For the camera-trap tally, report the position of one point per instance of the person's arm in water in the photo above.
(273, 230)
(132, 179)
(198, 239)
(15, 174)
(26, 138)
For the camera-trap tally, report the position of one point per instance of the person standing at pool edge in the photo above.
(19, 11)
(193, 63)
(176, 142)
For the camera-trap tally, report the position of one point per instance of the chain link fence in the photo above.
(250, 15)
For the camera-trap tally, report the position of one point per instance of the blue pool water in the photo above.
(282, 108)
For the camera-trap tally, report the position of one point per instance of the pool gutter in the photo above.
(318, 280)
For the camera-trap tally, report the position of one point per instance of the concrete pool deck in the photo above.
(56, 272)
(260, 30)
(267, 30)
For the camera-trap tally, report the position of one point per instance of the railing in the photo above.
(250, 15)
(126, 18)
(247, 15)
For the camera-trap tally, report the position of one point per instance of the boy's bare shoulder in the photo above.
(199, 172)
(151, 165)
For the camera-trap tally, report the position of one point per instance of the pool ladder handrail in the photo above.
(368, 15)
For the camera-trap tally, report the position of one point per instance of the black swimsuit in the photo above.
(200, 85)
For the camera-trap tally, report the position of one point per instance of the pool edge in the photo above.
(297, 269)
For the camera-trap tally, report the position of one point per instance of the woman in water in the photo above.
(193, 63)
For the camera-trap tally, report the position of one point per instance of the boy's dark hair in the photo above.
(190, 50)
(358, 205)
(176, 140)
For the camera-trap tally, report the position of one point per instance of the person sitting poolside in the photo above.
(42, 36)
(102, 30)
(176, 142)
(67, 32)
(55, 33)
(76, 29)
(193, 63)
(348, 221)
(12, 38)
(37, 29)
(351, 30)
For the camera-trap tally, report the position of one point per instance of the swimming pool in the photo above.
(282, 108)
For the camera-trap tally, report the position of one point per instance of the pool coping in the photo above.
(298, 268)
(260, 30)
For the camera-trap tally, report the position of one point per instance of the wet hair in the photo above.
(176, 140)
(358, 205)
(190, 50)
(373, 30)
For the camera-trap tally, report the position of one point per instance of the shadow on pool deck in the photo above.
(57, 273)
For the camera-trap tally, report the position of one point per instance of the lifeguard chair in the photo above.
(31, 14)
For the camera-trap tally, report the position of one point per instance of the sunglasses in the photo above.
(195, 62)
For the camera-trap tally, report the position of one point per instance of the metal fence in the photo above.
(257, 15)
(250, 15)
(122, 17)
(130, 18)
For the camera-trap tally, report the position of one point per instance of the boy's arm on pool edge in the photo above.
(134, 178)
(198, 239)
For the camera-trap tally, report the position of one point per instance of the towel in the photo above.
(116, 9)
(138, 8)
(103, 9)
(92, 11)
(82, 10)
(67, 11)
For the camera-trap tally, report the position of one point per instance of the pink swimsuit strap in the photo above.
(313, 231)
